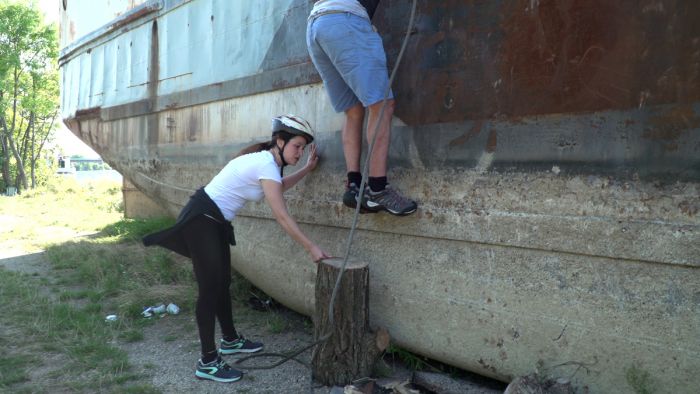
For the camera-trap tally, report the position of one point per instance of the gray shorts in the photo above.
(349, 56)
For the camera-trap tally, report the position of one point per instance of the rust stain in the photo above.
(474, 131)
(481, 60)
(689, 208)
(492, 141)
(487, 366)
(88, 113)
(193, 127)
(670, 125)
(554, 53)
(152, 88)
(133, 17)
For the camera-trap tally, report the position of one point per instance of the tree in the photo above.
(28, 89)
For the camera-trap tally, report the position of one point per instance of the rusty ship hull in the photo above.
(553, 147)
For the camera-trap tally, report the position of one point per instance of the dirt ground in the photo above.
(170, 348)
(171, 363)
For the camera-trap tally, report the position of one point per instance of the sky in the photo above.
(65, 139)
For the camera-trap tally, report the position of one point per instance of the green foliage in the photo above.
(277, 323)
(44, 170)
(89, 165)
(64, 204)
(640, 380)
(412, 361)
(135, 229)
(417, 362)
(28, 90)
(12, 369)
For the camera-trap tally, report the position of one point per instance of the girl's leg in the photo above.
(206, 244)
(224, 310)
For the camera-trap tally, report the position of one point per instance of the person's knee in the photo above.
(388, 108)
(355, 113)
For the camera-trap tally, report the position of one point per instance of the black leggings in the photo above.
(211, 260)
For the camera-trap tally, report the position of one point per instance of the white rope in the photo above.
(164, 184)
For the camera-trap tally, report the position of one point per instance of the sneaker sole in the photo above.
(402, 213)
(204, 376)
(379, 207)
(234, 351)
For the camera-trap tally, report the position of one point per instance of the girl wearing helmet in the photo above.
(203, 233)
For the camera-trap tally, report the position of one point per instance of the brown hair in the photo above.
(261, 146)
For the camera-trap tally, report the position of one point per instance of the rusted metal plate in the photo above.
(488, 59)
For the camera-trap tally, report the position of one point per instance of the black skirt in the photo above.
(200, 204)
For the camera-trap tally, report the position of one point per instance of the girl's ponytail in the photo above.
(259, 147)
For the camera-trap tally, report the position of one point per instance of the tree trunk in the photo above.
(5, 160)
(21, 181)
(351, 352)
(21, 175)
(32, 147)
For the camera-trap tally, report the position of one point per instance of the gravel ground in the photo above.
(170, 350)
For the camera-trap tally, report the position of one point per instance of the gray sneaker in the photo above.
(350, 197)
(388, 200)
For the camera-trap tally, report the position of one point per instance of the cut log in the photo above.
(351, 352)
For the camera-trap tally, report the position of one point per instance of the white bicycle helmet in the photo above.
(294, 125)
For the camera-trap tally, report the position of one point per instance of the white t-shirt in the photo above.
(326, 6)
(239, 181)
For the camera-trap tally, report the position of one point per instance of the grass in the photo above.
(410, 360)
(61, 314)
(13, 369)
(78, 333)
(416, 362)
(276, 323)
(96, 267)
(639, 380)
(58, 211)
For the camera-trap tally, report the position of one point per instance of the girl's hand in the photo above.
(317, 254)
(313, 158)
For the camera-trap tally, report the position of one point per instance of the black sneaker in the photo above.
(350, 197)
(388, 200)
(240, 345)
(218, 371)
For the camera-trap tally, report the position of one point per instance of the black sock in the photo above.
(377, 184)
(355, 177)
(209, 357)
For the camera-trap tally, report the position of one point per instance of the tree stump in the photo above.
(352, 350)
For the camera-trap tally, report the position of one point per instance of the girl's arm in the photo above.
(290, 180)
(273, 195)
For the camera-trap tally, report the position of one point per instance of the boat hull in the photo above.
(558, 223)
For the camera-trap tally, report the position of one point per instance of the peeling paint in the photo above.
(671, 124)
